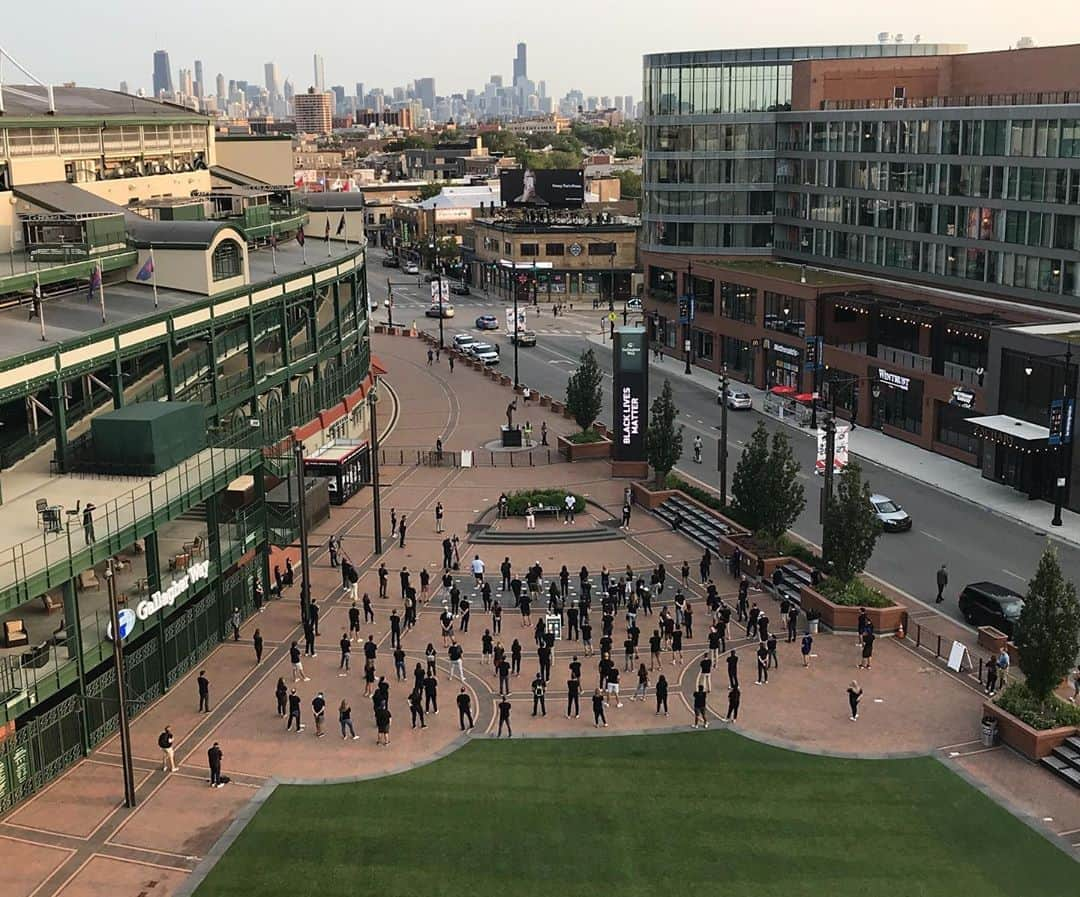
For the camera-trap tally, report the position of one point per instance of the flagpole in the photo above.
(101, 291)
(40, 304)
(328, 235)
(153, 273)
(273, 249)
(11, 246)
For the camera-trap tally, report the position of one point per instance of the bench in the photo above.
(547, 509)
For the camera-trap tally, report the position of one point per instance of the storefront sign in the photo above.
(785, 350)
(437, 286)
(1061, 422)
(631, 393)
(964, 398)
(892, 379)
(812, 359)
(686, 309)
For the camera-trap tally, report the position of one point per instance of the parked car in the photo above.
(487, 322)
(411, 268)
(391, 261)
(890, 514)
(464, 339)
(524, 338)
(460, 289)
(484, 352)
(737, 399)
(988, 604)
(447, 311)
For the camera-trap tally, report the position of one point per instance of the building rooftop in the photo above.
(816, 277)
(31, 101)
(790, 54)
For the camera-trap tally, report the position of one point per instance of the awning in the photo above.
(1003, 429)
(805, 397)
(783, 390)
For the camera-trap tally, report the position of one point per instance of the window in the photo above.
(738, 355)
(227, 260)
(601, 249)
(785, 314)
(702, 290)
(703, 344)
(737, 302)
(901, 408)
(661, 283)
(953, 427)
(530, 249)
(554, 249)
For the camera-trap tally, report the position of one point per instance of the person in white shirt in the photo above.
(569, 515)
(478, 570)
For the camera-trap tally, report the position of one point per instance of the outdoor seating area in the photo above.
(699, 524)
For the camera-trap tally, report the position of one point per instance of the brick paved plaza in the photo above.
(75, 838)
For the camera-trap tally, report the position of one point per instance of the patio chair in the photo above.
(15, 634)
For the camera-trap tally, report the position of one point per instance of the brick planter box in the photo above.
(842, 617)
(648, 498)
(1032, 743)
(545, 401)
(557, 407)
(586, 451)
(505, 379)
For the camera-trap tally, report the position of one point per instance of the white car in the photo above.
(487, 356)
(737, 400)
(410, 268)
(463, 340)
(890, 514)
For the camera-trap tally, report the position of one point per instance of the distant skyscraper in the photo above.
(338, 90)
(320, 74)
(200, 86)
(273, 85)
(605, 102)
(425, 92)
(520, 70)
(290, 91)
(312, 112)
(221, 95)
(187, 86)
(496, 80)
(541, 89)
(360, 92)
(162, 73)
(123, 87)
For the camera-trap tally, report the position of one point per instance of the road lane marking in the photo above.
(1014, 575)
(931, 536)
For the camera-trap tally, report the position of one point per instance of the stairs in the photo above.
(698, 524)
(1064, 762)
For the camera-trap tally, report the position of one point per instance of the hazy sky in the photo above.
(593, 46)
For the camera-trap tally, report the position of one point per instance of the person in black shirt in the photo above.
(752, 620)
(503, 669)
(447, 553)
(464, 703)
(792, 622)
(282, 695)
(572, 623)
(762, 665)
(464, 607)
(382, 712)
(575, 668)
(714, 643)
(313, 615)
(354, 622)
(676, 647)
(744, 599)
(586, 637)
(416, 708)
(543, 653)
(399, 663)
(867, 649)
(573, 695)
(654, 650)
(485, 595)
(384, 575)
(504, 717)
(346, 649)
(318, 710)
(732, 704)
(257, 641)
(699, 707)
(538, 692)
(213, 756)
(204, 692)
(598, 709)
(369, 613)
(763, 627)
(854, 693)
(505, 569)
(661, 694)
(294, 712)
(733, 669)
(431, 693)
(770, 644)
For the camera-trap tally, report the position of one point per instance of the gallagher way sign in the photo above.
(146, 608)
(631, 399)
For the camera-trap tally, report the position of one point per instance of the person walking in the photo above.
(204, 692)
(165, 742)
(733, 669)
(213, 758)
(297, 666)
(281, 692)
(854, 694)
(464, 704)
(733, 698)
(662, 694)
(539, 690)
(704, 678)
(700, 698)
(805, 648)
(504, 718)
(942, 582)
(450, 359)
(235, 621)
(345, 721)
(257, 641)
(294, 712)
(318, 710)
(599, 719)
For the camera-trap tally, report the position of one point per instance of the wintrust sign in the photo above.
(167, 598)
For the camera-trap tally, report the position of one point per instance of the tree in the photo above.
(664, 439)
(630, 184)
(784, 494)
(750, 473)
(1049, 630)
(851, 526)
(583, 391)
(429, 190)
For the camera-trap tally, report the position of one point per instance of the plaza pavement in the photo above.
(75, 838)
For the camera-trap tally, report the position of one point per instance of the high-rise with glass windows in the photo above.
(163, 83)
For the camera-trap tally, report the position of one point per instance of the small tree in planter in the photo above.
(664, 439)
(783, 493)
(750, 473)
(584, 398)
(852, 527)
(1049, 632)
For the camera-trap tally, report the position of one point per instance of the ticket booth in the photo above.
(345, 464)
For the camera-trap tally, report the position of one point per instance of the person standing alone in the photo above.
(942, 582)
(204, 692)
(165, 742)
(854, 693)
(213, 757)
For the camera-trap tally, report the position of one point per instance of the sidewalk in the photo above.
(927, 467)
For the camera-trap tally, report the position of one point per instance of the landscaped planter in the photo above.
(504, 379)
(557, 407)
(1032, 743)
(648, 498)
(843, 617)
(545, 401)
(584, 451)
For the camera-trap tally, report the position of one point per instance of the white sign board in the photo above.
(956, 656)
(466, 458)
(553, 626)
(435, 284)
(510, 320)
(841, 446)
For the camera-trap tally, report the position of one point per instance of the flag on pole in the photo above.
(95, 283)
(146, 271)
(341, 224)
(300, 235)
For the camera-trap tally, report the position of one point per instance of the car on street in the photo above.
(989, 604)
(390, 261)
(737, 399)
(890, 514)
(411, 268)
(463, 340)
(524, 338)
(487, 322)
(460, 289)
(485, 352)
(446, 310)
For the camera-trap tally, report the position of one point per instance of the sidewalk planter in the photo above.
(545, 401)
(846, 618)
(647, 498)
(1032, 743)
(557, 407)
(992, 639)
(585, 451)
(505, 380)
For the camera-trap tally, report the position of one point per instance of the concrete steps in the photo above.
(1064, 762)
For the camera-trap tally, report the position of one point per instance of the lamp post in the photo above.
(121, 687)
(689, 317)
(519, 283)
(301, 511)
(373, 399)
(611, 280)
(433, 245)
(1063, 437)
(721, 454)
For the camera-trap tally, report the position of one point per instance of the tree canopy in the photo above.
(584, 397)
(664, 440)
(1048, 635)
(851, 526)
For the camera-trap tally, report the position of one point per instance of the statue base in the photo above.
(511, 436)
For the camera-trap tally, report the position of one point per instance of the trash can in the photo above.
(989, 731)
(812, 623)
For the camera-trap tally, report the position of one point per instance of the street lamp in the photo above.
(373, 399)
(1065, 425)
(121, 686)
(301, 512)
(433, 245)
(721, 455)
(521, 280)
(689, 316)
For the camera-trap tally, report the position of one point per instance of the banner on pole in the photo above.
(510, 320)
(841, 443)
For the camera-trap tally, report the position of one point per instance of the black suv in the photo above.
(988, 604)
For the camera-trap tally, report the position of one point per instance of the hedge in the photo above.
(517, 502)
(854, 593)
(1017, 700)
(585, 437)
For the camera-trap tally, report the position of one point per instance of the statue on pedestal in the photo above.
(510, 409)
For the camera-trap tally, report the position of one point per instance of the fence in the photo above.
(926, 638)
(411, 456)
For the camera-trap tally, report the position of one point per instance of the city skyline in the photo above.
(595, 56)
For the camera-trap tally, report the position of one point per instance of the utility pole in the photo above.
(373, 399)
(721, 454)
(517, 289)
(301, 510)
(121, 687)
(390, 303)
(438, 286)
(1065, 439)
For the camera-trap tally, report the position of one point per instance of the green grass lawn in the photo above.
(696, 813)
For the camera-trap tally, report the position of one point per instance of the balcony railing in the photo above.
(961, 373)
(904, 359)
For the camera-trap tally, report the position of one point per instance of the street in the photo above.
(976, 544)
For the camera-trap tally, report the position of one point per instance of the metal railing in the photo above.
(427, 457)
(905, 359)
(961, 373)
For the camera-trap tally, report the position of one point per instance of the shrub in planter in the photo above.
(517, 502)
(853, 593)
(1054, 713)
(585, 437)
